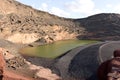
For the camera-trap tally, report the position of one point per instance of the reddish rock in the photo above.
(12, 76)
(7, 74)
(2, 65)
(32, 72)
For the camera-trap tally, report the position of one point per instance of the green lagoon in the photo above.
(55, 49)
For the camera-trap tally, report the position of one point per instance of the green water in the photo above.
(55, 49)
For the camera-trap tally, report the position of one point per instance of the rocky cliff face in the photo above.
(17, 19)
(31, 25)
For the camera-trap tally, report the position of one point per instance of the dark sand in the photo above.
(106, 50)
(80, 63)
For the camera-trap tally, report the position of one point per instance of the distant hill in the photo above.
(23, 24)
(105, 26)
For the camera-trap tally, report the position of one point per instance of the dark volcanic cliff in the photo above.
(104, 26)
(23, 24)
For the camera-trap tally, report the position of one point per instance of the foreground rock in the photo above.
(2, 66)
(8, 75)
(20, 69)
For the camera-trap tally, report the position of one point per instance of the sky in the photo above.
(75, 8)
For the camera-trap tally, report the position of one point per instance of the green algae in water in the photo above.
(55, 49)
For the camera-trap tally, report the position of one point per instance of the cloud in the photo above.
(113, 8)
(108, 5)
(116, 8)
(59, 12)
(54, 10)
(44, 7)
(81, 6)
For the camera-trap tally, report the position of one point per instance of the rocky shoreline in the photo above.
(57, 68)
(17, 64)
(22, 26)
(78, 63)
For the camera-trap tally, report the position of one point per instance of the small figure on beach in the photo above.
(110, 69)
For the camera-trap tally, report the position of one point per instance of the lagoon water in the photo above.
(55, 49)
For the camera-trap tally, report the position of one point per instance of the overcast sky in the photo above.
(75, 8)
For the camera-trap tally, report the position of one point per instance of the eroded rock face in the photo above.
(51, 34)
(19, 18)
(5, 74)
(56, 33)
(30, 25)
(2, 65)
(17, 68)
(24, 38)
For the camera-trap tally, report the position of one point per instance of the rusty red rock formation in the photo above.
(2, 65)
(6, 74)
